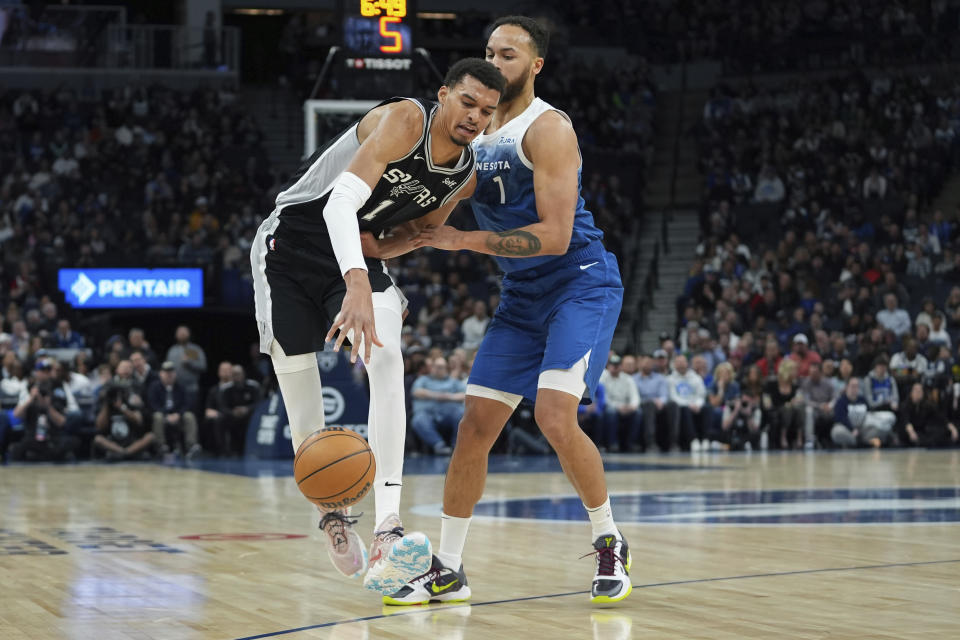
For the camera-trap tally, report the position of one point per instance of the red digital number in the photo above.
(397, 37)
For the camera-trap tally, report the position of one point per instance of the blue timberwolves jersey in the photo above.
(504, 197)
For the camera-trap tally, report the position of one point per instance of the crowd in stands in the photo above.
(143, 176)
(673, 400)
(843, 329)
(750, 35)
(833, 148)
(56, 404)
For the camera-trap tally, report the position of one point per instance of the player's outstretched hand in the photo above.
(369, 245)
(398, 242)
(355, 320)
(440, 237)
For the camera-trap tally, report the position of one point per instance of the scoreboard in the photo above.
(378, 45)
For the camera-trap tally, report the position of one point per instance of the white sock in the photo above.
(601, 520)
(453, 536)
(386, 421)
(387, 501)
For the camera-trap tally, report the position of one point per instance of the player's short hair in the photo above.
(539, 34)
(486, 73)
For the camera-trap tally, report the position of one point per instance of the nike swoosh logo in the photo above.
(437, 589)
(417, 156)
(392, 484)
(587, 266)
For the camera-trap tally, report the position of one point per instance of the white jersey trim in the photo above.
(423, 133)
(319, 178)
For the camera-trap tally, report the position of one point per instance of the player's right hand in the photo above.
(355, 319)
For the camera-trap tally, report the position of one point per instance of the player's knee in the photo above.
(556, 425)
(476, 435)
(548, 416)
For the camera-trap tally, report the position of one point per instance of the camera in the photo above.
(116, 394)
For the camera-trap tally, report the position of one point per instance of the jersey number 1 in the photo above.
(380, 207)
(503, 193)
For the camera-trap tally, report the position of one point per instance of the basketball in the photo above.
(334, 467)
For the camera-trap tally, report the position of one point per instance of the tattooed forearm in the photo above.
(513, 243)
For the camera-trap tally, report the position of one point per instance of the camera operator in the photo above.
(119, 423)
(741, 422)
(44, 415)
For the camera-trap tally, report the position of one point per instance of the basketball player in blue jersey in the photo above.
(405, 164)
(549, 339)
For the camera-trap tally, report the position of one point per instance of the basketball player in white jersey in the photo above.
(549, 339)
(405, 164)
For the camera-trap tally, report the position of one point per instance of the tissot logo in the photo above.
(379, 64)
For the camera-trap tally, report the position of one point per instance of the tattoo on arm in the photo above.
(514, 243)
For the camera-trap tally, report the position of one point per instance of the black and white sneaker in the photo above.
(612, 581)
(439, 584)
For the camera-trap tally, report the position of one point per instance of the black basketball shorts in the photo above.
(299, 290)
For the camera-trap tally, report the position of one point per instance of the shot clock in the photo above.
(378, 28)
(378, 48)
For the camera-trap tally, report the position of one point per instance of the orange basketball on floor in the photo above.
(334, 467)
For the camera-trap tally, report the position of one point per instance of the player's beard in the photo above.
(515, 87)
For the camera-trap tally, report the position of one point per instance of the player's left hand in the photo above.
(442, 237)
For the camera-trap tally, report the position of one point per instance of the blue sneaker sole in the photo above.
(409, 558)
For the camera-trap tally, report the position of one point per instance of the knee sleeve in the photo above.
(512, 400)
(282, 363)
(299, 379)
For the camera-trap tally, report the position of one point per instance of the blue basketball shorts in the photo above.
(550, 317)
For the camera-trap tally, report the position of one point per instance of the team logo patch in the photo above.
(413, 186)
(327, 360)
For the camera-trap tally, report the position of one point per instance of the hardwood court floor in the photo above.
(838, 545)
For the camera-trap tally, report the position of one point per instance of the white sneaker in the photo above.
(344, 545)
(438, 584)
(612, 581)
(395, 558)
(694, 446)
